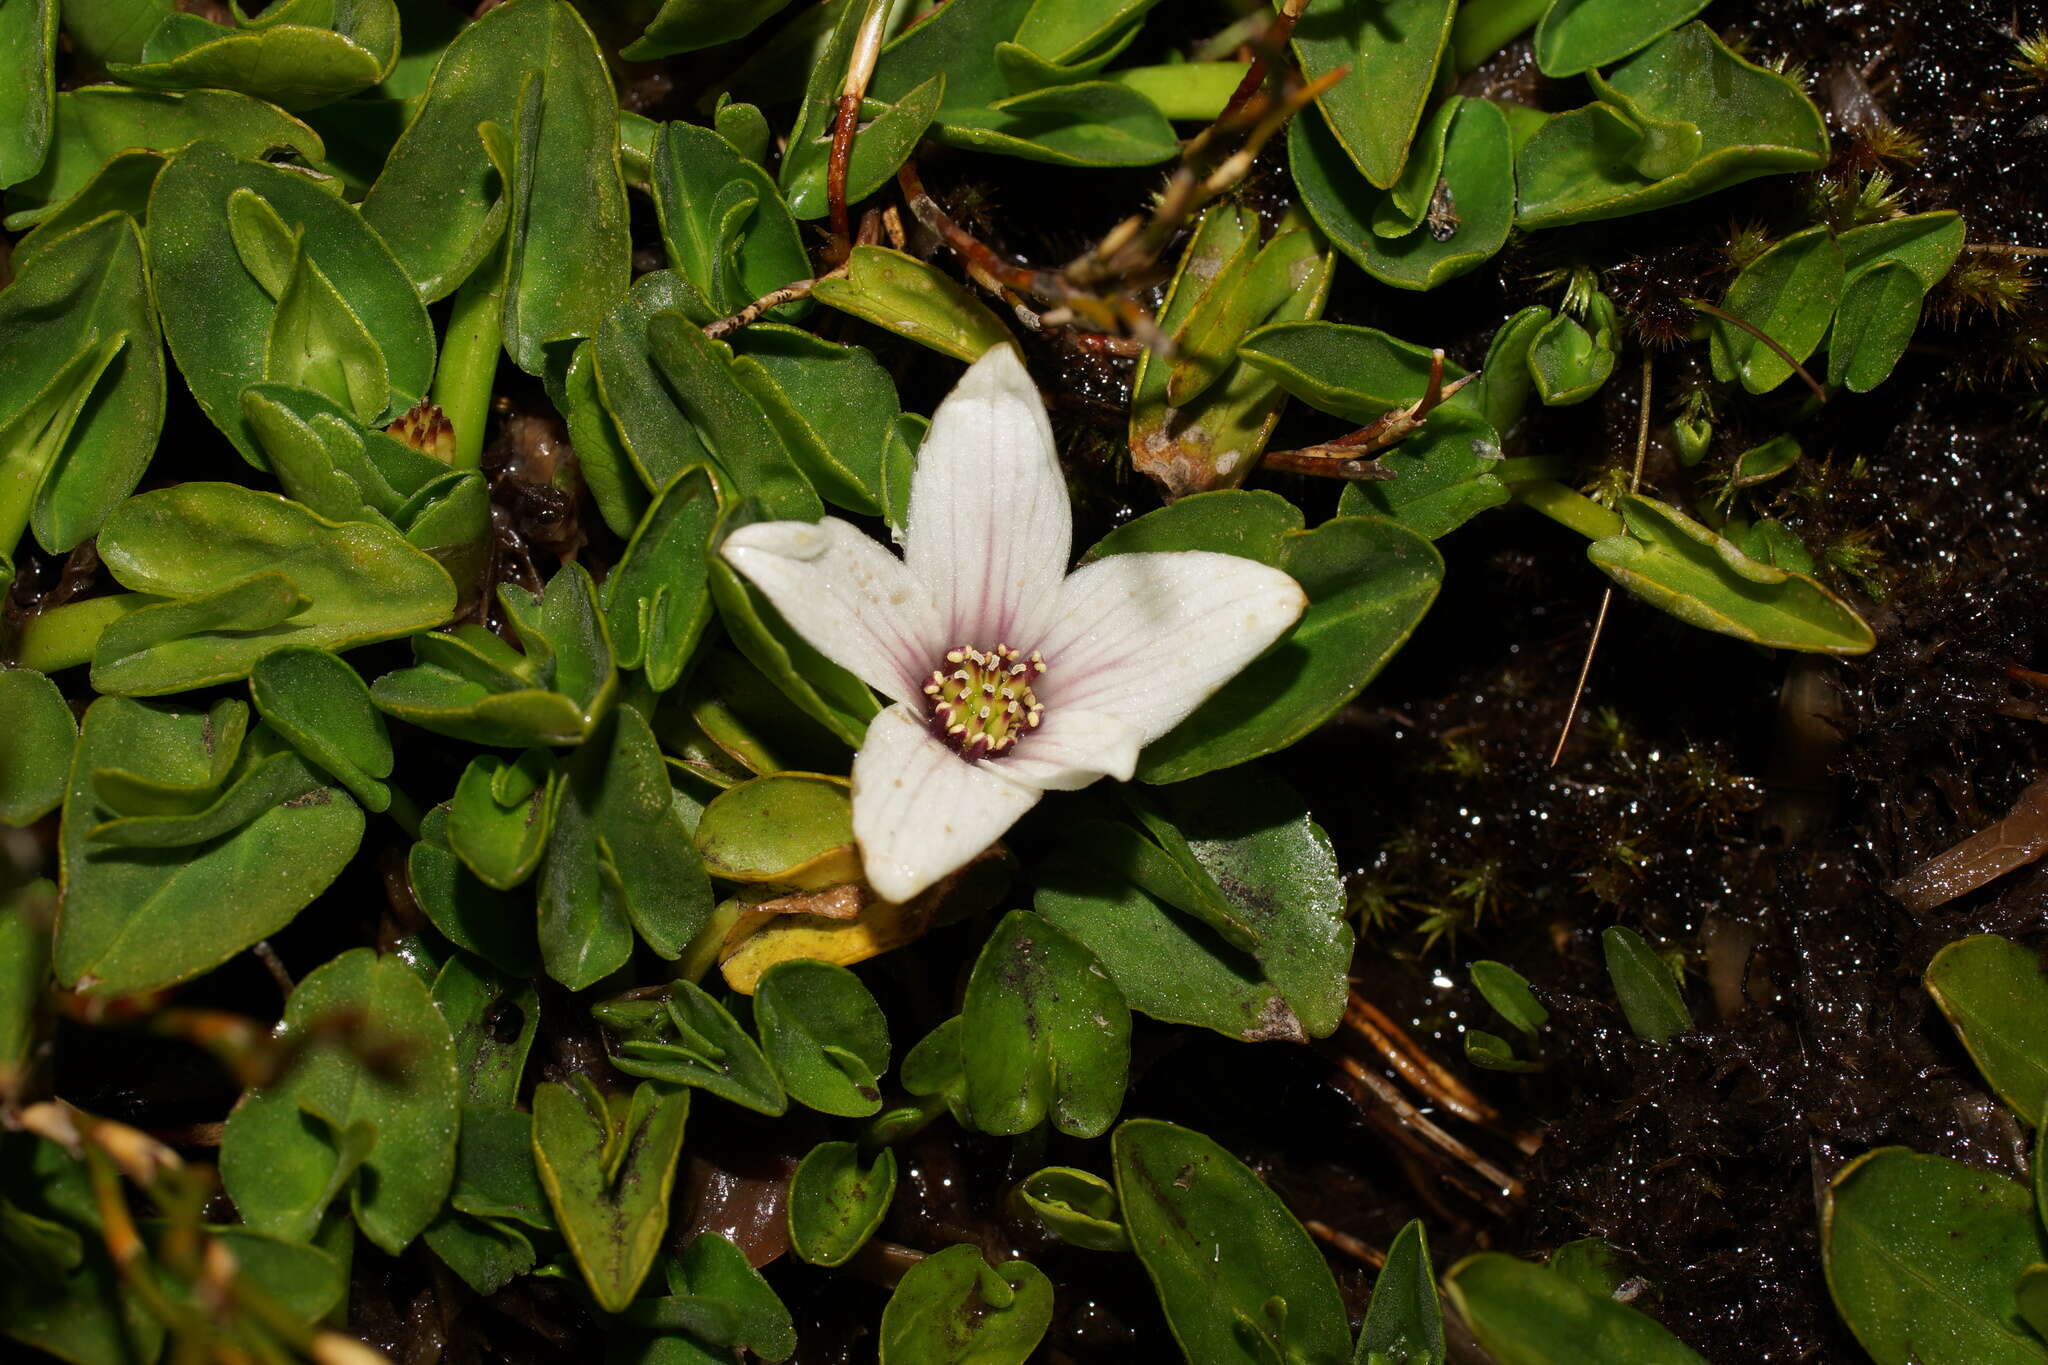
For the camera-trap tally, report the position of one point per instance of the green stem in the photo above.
(64, 637)
(468, 371)
(403, 809)
(1529, 468)
(1568, 508)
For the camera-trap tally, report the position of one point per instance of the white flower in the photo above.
(1011, 677)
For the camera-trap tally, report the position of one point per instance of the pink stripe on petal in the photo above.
(920, 811)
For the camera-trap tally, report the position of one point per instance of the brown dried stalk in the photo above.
(1355, 456)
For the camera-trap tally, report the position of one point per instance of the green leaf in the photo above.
(1238, 1277)
(724, 224)
(1369, 582)
(1590, 163)
(1392, 54)
(1789, 294)
(390, 1076)
(316, 341)
(1925, 243)
(746, 444)
(951, 1308)
(1443, 477)
(1578, 35)
(619, 859)
(834, 407)
(138, 918)
(608, 469)
(360, 583)
(435, 201)
(1491, 1052)
(1922, 1254)
(487, 1253)
(1404, 1324)
(81, 386)
(1879, 312)
(1078, 1207)
(495, 1173)
(718, 1304)
(1221, 289)
(297, 54)
(74, 1310)
(657, 600)
(219, 317)
(791, 830)
(821, 689)
(834, 1205)
(1993, 994)
(1251, 838)
(24, 971)
(112, 30)
(682, 1036)
(495, 926)
(1567, 361)
(95, 123)
(904, 295)
(825, 1036)
(1649, 993)
(35, 746)
(652, 428)
(1525, 1314)
(499, 819)
(1679, 566)
(1044, 1032)
(687, 25)
(1472, 191)
(28, 86)
(493, 1020)
(609, 1167)
(1592, 1265)
(555, 690)
(1508, 992)
(321, 705)
(1357, 373)
(889, 130)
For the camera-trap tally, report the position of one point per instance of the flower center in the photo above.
(981, 701)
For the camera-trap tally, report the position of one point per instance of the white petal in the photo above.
(989, 527)
(1070, 750)
(920, 810)
(1147, 637)
(853, 600)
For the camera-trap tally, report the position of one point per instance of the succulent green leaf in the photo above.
(1392, 51)
(322, 707)
(1593, 163)
(1238, 1277)
(1994, 995)
(389, 1080)
(1679, 566)
(297, 54)
(35, 746)
(493, 1020)
(724, 224)
(1045, 1034)
(835, 1205)
(1404, 1323)
(138, 918)
(1443, 477)
(687, 25)
(682, 1036)
(196, 541)
(1789, 294)
(1578, 35)
(219, 318)
(1078, 1207)
(825, 1036)
(495, 926)
(1507, 990)
(28, 86)
(951, 1308)
(608, 1167)
(499, 819)
(1527, 1314)
(904, 295)
(791, 830)
(1922, 1256)
(1879, 312)
(1649, 993)
(834, 407)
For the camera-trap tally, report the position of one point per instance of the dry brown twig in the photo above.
(1356, 456)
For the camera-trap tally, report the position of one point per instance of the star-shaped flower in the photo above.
(1010, 676)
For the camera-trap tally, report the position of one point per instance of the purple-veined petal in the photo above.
(920, 810)
(848, 596)
(1146, 638)
(1071, 749)
(989, 528)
